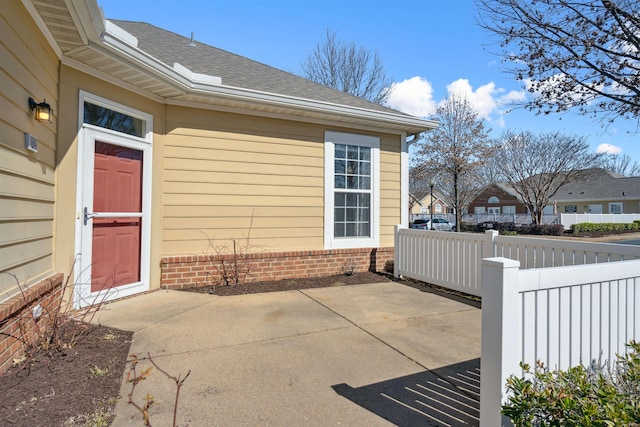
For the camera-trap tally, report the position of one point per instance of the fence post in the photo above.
(489, 247)
(396, 250)
(501, 336)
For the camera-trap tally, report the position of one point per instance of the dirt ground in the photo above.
(80, 385)
(293, 284)
(71, 386)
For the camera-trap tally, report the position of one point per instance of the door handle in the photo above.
(87, 215)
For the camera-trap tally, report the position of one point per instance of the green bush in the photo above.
(542, 229)
(606, 226)
(579, 396)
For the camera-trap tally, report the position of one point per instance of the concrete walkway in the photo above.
(367, 355)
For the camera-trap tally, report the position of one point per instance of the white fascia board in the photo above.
(197, 77)
(88, 18)
(120, 34)
(312, 105)
(126, 49)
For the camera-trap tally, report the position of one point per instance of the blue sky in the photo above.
(428, 47)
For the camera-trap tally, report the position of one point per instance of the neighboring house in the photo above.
(161, 151)
(422, 206)
(497, 198)
(600, 191)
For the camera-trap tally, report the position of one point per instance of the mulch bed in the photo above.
(69, 386)
(293, 284)
(80, 385)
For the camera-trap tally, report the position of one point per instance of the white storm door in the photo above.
(114, 216)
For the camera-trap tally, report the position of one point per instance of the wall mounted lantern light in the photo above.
(43, 110)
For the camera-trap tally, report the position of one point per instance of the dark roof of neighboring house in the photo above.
(600, 185)
(235, 70)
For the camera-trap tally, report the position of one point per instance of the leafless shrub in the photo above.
(230, 265)
(51, 327)
(349, 267)
(135, 376)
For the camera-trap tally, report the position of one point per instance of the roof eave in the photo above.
(186, 88)
(113, 43)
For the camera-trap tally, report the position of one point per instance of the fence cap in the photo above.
(501, 262)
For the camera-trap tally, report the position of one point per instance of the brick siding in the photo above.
(18, 329)
(201, 270)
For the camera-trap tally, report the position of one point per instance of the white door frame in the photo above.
(87, 136)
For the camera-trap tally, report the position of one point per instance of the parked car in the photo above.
(440, 224)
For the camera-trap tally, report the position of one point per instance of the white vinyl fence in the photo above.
(567, 220)
(561, 316)
(561, 302)
(454, 260)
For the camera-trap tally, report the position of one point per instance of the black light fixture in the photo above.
(43, 110)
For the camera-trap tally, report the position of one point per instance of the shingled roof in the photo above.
(235, 70)
(600, 185)
(168, 68)
(597, 184)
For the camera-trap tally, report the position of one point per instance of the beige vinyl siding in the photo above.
(228, 176)
(582, 206)
(389, 187)
(29, 68)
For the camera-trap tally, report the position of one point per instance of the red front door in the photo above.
(117, 191)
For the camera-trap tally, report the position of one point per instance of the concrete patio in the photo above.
(366, 355)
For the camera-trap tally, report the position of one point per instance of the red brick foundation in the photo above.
(18, 329)
(201, 270)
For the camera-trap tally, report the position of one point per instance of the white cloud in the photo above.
(412, 96)
(488, 101)
(415, 96)
(609, 149)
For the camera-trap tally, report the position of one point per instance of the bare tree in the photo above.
(453, 153)
(621, 164)
(536, 166)
(348, 68)
(573, 53)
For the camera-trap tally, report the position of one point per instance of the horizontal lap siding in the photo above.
(226, 174)
(29, 68)
(389, 187)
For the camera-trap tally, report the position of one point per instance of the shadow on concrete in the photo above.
(460, 297)
(448, 396)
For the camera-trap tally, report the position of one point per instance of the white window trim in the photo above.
(611, 204)
(509, 210)
(332, 138)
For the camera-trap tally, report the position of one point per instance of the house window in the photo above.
(494, 210)
(438, 208)
(509, 209)
(570, 208)
(493, 199)
(615, 207)
(351, 190)
(108, 118)
(479, 210)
